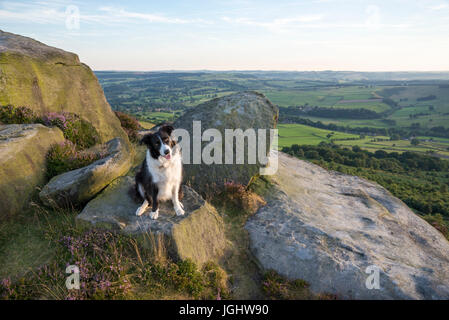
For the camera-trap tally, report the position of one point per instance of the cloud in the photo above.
(276, 24)
(117, 14)
(441, 6)
(54, 12)
(42, 12)
(315, 22)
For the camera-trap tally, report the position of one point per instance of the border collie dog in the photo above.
(160, 176)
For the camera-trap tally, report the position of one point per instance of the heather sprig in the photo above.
(65, 156)
(129, 124)
(80, 132)
(22, 115)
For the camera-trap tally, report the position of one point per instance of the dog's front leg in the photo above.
(155, 209)
(176, 204)
(142, 208)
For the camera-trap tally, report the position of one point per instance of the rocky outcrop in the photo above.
(79, 186)
(22, 163)
(48, 79)
(244, 110)
(328, 228)
(198, 235)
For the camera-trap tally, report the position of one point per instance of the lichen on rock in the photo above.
(23, 148)
(48, 79)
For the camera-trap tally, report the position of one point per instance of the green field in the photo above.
(156, 117)
(300, 134)
(323, 97)
(304, 135)
(400, 105)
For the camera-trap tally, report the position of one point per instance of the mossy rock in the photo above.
(48, 79)
(244, 110)
(198, 235)
(23, 148)
(77, 187)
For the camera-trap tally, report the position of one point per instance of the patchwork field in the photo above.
(304, 135)
(349, 100)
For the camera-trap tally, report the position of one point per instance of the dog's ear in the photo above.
(146, 139)
(167, 128)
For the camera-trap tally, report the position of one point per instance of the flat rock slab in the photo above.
(198, 235)
(327, 228)
(78, 186)
(23, 150)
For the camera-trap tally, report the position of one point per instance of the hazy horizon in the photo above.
(218, 35)
(269, 70)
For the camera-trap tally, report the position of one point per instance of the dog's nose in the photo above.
(167, 151)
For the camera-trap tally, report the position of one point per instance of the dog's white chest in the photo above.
(165, 175)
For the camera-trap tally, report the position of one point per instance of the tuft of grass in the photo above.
(129, 124)
(237, 199)
(277, 287)
(111, 265)
(63, 157)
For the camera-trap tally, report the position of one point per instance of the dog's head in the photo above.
(160, 144)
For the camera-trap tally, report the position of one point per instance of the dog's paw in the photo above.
(140, 211)
(179, 211)
(154, 214)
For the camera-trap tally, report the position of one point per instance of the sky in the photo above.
(303, 35)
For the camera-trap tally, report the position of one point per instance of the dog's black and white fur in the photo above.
(160, 176)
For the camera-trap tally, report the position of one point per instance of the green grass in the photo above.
(323, 97)
(156, 117)
(36, 247)
(304, 135)
(376, 106)
(300, 134)
(146, 125)
(407, 99)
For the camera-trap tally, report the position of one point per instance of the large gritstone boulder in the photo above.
(48, 79)
(23, 149)
(347, 236)
(244, 110)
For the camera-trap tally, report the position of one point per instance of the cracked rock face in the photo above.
(198, 235)
(328, 228)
